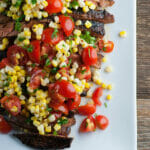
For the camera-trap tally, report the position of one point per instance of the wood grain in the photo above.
(143, 73)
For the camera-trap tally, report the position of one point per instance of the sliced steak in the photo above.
(103, 3)
(44, 141)
(100, 16)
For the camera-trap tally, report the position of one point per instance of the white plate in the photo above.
(121, 111)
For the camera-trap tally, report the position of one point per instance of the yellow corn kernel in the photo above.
(75, 49)
(87, 85)
(2, 47)
(69, 11)
(88, 24)
(57, 127)
(45, 3)
(104, 59)
(22, 102)
(123, 34)
(45, 124)
(109, 87)
(108, 69)
(108, 97)
(88, 3)
(57, 76)
(98, 82)
(19, 93)
(36, 123)
(14, 109)
(78, 22)
(104, 86)
(85, 9)
(77, 32)
(17, 68)
(48, 129)
(45, 14)
(27, 33)
(18, 56)
(92, 6)
(2, 9)
(26, 42)
(5, 41)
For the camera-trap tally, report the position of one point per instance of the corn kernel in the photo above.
(22, 102)
(78, 23)
(104, 86)
(57, 76)
(104, 59)
(108, 97)
(123, 34)
(5, 41)
(48, 129)
(108, 69)
(26, 42)
(75, 49)
(85, 9)
(87, 85)
(57, 127)
(88, 24)
(109, 87)
(98, 82)
(77, 32)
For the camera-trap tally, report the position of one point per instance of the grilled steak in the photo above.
(100, 16)
(103, 3)
(44, 141)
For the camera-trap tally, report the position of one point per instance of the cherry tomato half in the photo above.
(89, 56)
(88, 125)
(35, 54)
(54, 6)
(4, 126)
(106, 47)
(67, 24)
(84, 72)
(74, 103)
(4, 62)
(61, 108)
(17, 55)
(52, 37)
(36, 76)
(65, 88)
(96, 95)
(102, 122)
(11, 104)
(87, 109)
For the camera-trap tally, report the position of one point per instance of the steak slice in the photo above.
(100, 16)
(103, 3)
(44, 141)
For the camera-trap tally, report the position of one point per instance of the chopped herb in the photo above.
(83, 71)
(35, 90)
(18, 3)
(65, 14)
(6, 94)
(62, 121)
(54, 133)
(33, 65)
(34, 1)
(55, 58)
(54, 70)
(47, 63)
(89, 52)
(20, 39)
(86, 125)
(9, 78)
(88, 38)
(71, 50)
(45, 55)
(28, 120)
(6, 84)
(104, 49)
(63, 66)
(74, 4)
(95, 114)
(94, 46)
(105, 104)
(70, 60)
(21, 18)
(54, 34)
(18, 26)
(29, 48)
(49, 109)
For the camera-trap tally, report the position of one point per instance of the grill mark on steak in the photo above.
(100, 16)
(44, 141)
(105, 3)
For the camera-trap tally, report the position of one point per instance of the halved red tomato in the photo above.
(87, 109)
(88, 125)
(36, 76)
(67, 24)
(52, 37)
(17, 55)
(35, 54)
(4, 126)
(96, 95)
(89, 56)
(61, 108)
(74, 103)
(102, 122)
(4, 62)
(65, 88)
(84, 72)
(11, 104)
(106, 47)
(54, 6)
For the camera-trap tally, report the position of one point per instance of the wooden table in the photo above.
(143, 73)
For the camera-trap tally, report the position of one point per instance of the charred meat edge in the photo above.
(8, 29)
(101, 16)
(44, 141)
